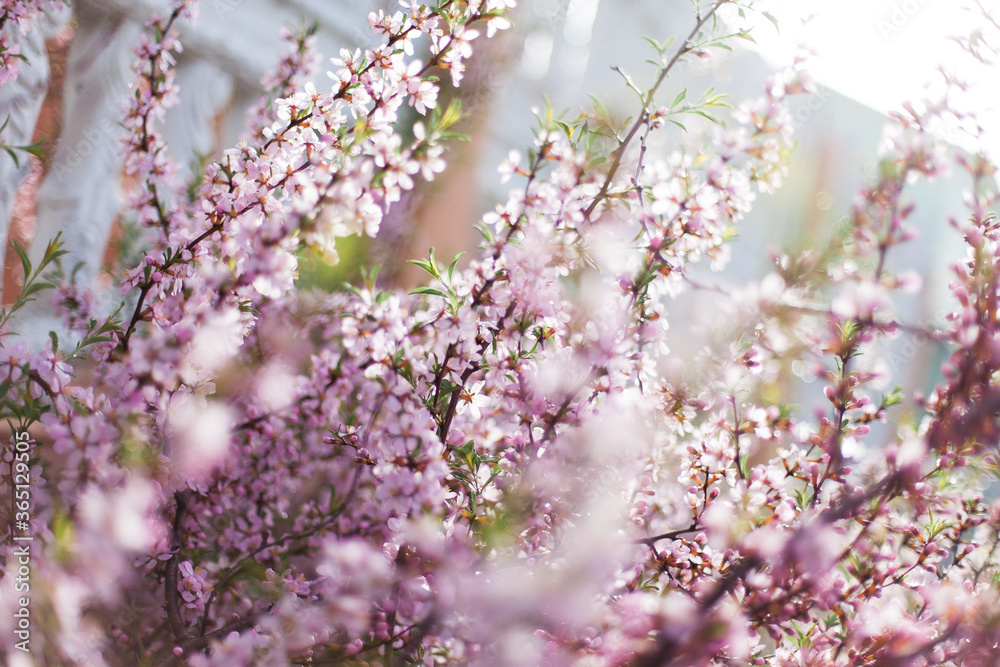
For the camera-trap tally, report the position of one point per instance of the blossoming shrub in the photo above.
(504, 466)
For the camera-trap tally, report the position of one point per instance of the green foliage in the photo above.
(315, 273)
(33, 281)
(34, 149)
(445, 280)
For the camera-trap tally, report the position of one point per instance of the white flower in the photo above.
(472, 400)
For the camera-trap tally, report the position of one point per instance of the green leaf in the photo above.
(428, 266)
(629, 82)
(622, 127)
(707, 115)
(93, 340)
(656, 45)
(680, 98)
(430, 291)
(485, 233)
(371, 276)
(596, 161)
(36, 149)
(713, 99)
(599, 106)
(774, 21)
(454, 263)
(451, 115)
(461, 476)
(34, 287)
(25, 262)
(13, 156)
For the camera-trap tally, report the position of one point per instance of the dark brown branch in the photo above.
(672, 535)
(174, 619)
(195, 644)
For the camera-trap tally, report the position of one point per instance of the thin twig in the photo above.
(643, 117)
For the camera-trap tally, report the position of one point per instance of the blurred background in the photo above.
(868, 56)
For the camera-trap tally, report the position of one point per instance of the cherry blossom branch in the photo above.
(644, 117)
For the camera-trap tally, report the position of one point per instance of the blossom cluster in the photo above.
(507, 465)
(16, 19)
